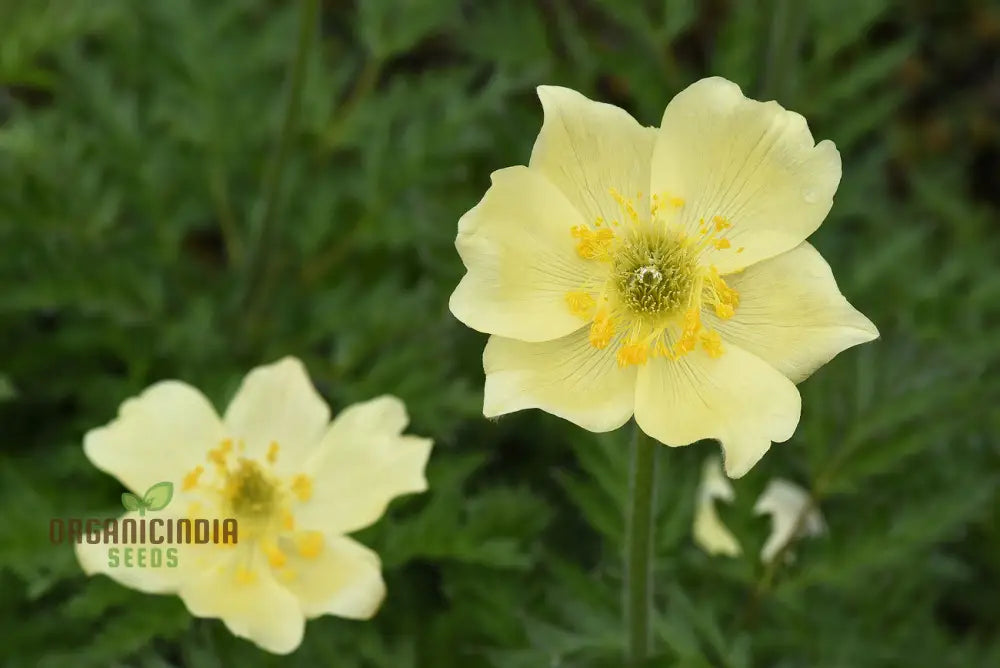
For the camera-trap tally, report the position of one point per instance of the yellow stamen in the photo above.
(580, 303)
(191, 479)
(245, 576)
(721, 223)
(218, 455)
(287, 521)
(725, 298)
(689, 335)
(602, 331)
(632, 353)
(593, 245)
(272, 452)
(275, 556)
(712, 344)
(309, 544)
(302, 487)
(721, 243)
(625, 204)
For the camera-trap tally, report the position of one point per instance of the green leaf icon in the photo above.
(131, 501)
(158, 496)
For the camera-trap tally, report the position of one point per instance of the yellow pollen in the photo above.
(593, 244)
(275, 556)
(664, 200)
(721, 243)
(601, 331)
(580, 303)
(724, 298)
(712, 344)
(724, 311)
(218, 455)
(309, 544)
(272, 452)
(625, 204)
(721, 223)
(287, 521)
(191, 479)
(689, 335)
(740, 249)
(632, 353)
(245, 576)
(302, 487)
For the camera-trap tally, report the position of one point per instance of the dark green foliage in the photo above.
(134, 137)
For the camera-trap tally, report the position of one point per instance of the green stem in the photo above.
(787, 20)
(260, 261)
(638, 592)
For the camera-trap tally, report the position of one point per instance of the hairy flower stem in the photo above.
(261, 258)
(638, 591)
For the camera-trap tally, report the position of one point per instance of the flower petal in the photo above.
(587, 148)
(519, 251)
(157, 436)
(753, 163)
(344, 579)
(145, 576)
(784, 501)
(791, 313)
(567, 377)
(709, 532)
(278, 403)
(361, 464)
(736, 398)
(257, 608)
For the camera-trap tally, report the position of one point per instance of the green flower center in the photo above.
(654, 273)
(250, 491)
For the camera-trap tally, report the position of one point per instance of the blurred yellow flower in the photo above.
(661, 272)
(294, 482)
(792, 515)
(709, 531)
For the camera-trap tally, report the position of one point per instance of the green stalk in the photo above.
(260, 261)
(787, 21)
(638, 592)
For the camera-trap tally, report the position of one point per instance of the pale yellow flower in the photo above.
(661, 272)
(792, 516)
(709, 532)
(295, 483)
